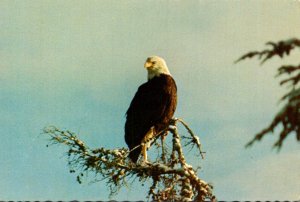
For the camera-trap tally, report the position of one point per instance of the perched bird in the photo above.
(151, 108)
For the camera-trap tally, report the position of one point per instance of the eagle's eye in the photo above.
(154, 62)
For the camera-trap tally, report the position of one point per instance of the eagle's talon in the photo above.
(145, 163)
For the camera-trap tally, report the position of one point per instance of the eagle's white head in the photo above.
(155, 66)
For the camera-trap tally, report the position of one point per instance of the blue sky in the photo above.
(77, 65)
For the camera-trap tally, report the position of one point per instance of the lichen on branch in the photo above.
(172, 178)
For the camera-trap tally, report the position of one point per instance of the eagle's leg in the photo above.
(144, 153)
(146, 143)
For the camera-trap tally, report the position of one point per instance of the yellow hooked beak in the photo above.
(148, 65)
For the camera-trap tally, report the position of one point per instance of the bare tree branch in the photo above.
(194, 140)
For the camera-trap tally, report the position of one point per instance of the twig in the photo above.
(195, 138)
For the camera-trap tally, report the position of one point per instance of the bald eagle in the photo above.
(151, 108)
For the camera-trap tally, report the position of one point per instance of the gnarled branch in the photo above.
(172, 178)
